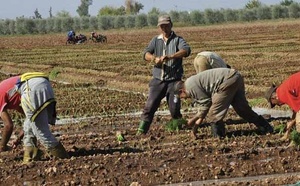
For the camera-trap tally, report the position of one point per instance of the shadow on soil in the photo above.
(244, 132)
(76, 152)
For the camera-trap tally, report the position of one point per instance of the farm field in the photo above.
(101, 89)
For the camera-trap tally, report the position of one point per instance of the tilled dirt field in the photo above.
(244, 157)
(88, 76)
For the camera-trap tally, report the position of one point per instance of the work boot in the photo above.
(58, 151)
(143, 127)
(218, 129)
(263, 125)
(31, 154)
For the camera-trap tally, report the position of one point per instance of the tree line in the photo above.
(63, 22)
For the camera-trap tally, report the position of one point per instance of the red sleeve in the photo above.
(289, 92)
(9, 101)
(3, 101)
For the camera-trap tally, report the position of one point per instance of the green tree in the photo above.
(286, 2)
(264, 12)
(294, 10)
(184, 17)
(119, 22)
(154, 11)
(175, 15)
(57, 27)
(130, 21)
(231, 15)
(25, 26)
(7, 26)
(2, 27)
(109, 10)
(83, 8)
(93, 23)
(37, 15)
(197, 17)
(248, 15)
(41, 26)
(12, 26)
(152, 19)
(105, 22)
(279, 11)
(209, 15)
(20, 25)
(141, 21)
(77, 23)
(50, 12)
(67, 23)
(50, 24)
(85, 23)
(253, 4)
(132, 7)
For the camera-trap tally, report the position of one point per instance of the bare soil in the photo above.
(160, 157)
(263, 52)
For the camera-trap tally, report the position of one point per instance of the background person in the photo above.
(215, 90)
(71, 35)
(207, 60)
(166, 52)
(288, 92)
(32, 95)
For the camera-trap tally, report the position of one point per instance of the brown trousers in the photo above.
(231, 92)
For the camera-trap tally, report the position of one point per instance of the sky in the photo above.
(10, 9)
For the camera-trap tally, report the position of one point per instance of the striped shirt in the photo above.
(172, 69)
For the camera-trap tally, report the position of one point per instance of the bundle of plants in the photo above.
(295, 137)
(175, 124)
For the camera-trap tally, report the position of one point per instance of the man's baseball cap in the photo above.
(164, 19)
(269, 93)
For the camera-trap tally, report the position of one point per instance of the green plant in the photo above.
(279, 128)
(295, 137)
(54, 73)
(120, 136)
(256, 101)
(175, 124)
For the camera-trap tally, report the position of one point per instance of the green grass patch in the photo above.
(175, 124)
(257, 101)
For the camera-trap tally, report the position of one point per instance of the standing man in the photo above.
(287, 93)
(207, 60)
(32, 95)
(215, 90)
(165, 51)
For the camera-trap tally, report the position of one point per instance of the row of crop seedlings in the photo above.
(88, 101)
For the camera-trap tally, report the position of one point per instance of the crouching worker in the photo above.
(32, 95)
(287, 93)
(215, 90)
(208, 60)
